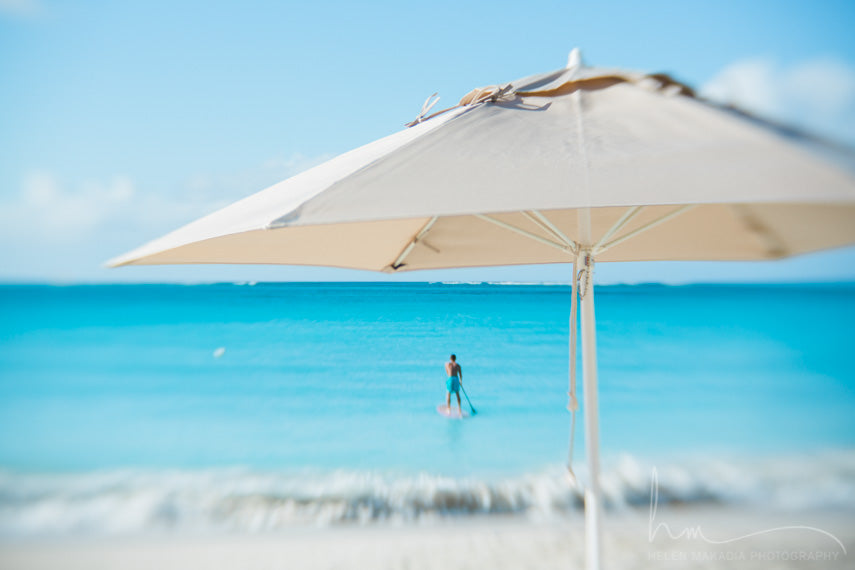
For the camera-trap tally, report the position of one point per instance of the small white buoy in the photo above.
(219, 352)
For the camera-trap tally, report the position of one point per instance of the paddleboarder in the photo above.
(455, 380)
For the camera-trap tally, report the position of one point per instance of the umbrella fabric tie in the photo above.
(428, 105)
(573, 403)
(584, 274)
(581, 282)
(489, 94)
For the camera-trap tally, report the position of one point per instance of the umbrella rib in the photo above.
(399, 260)
(624, 219)
(644, 228)
(525, 233)
(546, 225)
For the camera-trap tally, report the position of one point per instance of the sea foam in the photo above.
(237, 500)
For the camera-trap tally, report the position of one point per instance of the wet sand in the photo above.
(694, 538)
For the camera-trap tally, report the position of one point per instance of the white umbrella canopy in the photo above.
(577, 164)
(529, 154)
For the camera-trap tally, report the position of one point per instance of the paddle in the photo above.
(471, 408)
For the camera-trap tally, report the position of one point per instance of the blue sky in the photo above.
(121, 121)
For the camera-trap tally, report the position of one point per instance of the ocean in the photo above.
(258, 406)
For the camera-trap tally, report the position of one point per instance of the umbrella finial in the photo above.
(574, 59)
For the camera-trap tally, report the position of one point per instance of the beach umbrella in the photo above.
(579, 165)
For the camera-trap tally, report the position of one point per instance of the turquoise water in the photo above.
(344, 379)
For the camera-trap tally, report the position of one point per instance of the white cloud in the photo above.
(45, 207)
(55, 228)
(817, 94)
(824, 86)
(52, 222)
(22, 9)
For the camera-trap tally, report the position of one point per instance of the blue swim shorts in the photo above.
(452, 384)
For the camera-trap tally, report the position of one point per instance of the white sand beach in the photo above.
(810, 542)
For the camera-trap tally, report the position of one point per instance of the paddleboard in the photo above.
(452, 413)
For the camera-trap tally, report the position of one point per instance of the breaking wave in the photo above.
(248, 501)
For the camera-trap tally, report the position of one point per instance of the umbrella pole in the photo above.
(592, 430)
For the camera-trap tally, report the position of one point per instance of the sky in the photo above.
(121, 121)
